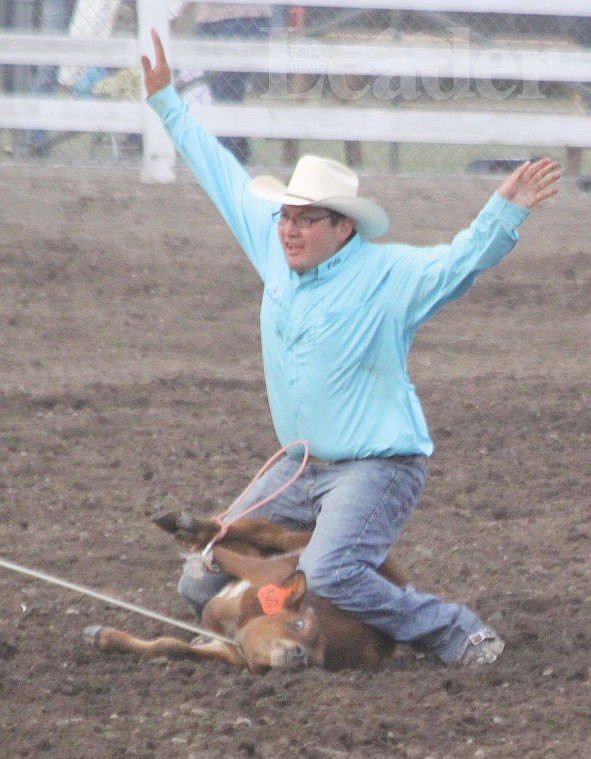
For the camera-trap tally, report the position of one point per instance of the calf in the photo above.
(266, 618)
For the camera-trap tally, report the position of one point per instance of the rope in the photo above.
(218, 519)
(14, 567)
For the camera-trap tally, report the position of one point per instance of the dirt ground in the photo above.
(131, 383)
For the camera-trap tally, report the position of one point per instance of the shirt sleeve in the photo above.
(444, 272)
(220, 175)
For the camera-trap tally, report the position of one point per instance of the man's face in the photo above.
(309, 236)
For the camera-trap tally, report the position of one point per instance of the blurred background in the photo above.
(417, 89)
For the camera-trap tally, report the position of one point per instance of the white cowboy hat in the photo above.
(329, 184)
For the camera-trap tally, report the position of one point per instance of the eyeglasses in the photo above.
(302, 221)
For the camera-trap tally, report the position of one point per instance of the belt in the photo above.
(400, 458)
(315, 461)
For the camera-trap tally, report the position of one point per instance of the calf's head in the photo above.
(287, 635)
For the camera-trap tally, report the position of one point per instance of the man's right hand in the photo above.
(157, 77)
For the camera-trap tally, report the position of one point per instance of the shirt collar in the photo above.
(331, 267)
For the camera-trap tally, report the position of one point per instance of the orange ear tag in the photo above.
(272, 598)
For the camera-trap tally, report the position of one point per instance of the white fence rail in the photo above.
(307, 55)
(296, 120)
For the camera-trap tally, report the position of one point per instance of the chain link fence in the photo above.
(355, 93)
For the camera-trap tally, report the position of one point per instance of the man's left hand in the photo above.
(531, 183)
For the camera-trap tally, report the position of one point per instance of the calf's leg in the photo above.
(110, 639)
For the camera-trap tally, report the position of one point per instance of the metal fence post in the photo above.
(158, 151)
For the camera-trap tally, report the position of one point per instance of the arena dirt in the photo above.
(131, 383)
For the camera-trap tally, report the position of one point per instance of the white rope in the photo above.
(110, 600)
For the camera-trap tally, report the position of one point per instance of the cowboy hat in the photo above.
(329, 184)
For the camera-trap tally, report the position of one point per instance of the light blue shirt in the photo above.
(335, 340)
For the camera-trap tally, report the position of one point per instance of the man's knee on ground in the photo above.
(196, 591)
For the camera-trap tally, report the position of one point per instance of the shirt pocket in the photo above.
(347, 336)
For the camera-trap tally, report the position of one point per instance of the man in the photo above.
(337, 320)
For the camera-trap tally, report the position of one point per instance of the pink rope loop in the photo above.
(219, 519)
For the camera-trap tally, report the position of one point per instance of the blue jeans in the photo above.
(55, 17)
(357, 510)
(232, 86)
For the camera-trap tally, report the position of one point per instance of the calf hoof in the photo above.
(168, 522)
(186, 528)
(176, 522)
(92, 635)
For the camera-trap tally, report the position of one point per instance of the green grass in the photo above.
(97, 149)
(409, 157)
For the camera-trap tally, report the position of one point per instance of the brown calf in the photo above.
(299, 628)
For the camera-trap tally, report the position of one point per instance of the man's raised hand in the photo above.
(158, 76)
(531, 183)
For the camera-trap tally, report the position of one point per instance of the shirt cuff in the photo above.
(510, 214)
(165, 100)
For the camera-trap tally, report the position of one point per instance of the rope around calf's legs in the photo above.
(219, 519)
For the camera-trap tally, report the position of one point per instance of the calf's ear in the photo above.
(296, 582)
